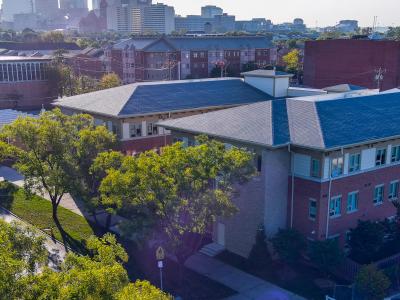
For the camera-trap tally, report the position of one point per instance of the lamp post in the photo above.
(160, 255)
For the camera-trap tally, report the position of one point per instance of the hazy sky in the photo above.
(321, 12)
(325, 12)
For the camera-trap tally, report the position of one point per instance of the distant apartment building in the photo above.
(210, 11)
(48, 9)
(9, 8)
(24, 82)
(369, 63)
(217, 24)
(253, 26)
(88, 62)
(347, 26)
(73, 4)
(172, 58)
(323, 162)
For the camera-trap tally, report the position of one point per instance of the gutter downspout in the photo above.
(329, 200)
(292, 186)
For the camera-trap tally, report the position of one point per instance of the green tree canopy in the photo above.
(180, 191)
(54, 152)
(109, 81)
(372, 283)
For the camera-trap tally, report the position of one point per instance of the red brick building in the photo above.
(89, 62)
(172, 58)
(24, 83)
(324, 162)
(357, 62)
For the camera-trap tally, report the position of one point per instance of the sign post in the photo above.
(160, 255)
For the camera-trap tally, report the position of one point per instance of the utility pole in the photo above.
(379, 76)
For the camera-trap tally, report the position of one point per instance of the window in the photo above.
(395, 154)
(380, 157)
(315, 171)
(378, 194)
(335, 206)
(195, 55)
(394, 190)
(135, 130)
(312, 209)
(352, 202)
(152, 129)
(337, 166)
(354, 162)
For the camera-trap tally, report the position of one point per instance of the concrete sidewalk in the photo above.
(248, 286)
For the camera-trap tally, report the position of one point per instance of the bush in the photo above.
(366, 241)
(289, 244)
(259, 256)
(372, 283)
(326, 254)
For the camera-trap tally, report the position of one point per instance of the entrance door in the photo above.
(221, 234)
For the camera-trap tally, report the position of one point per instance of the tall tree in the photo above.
(182, 190)
(48, 152)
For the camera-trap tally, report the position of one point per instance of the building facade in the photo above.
(9, 8)
(24, 83)
(172, 58)
(368, 63)
(323, 162)
(210, 11)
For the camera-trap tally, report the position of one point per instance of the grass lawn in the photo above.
(38, 212)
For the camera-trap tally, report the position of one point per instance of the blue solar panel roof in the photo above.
(355, 120)
(190, 95)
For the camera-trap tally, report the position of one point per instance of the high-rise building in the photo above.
(13, 7)
(46, 8)
(210, 11)
(95, 4)
(72, 4)
(159, 18)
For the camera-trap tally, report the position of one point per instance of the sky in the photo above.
(314, 12)
(321, 12)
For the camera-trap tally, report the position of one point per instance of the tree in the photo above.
(53, 37)
(326, 254)
(366, 240)
(21, 252)
(292, 61)
(109, 81)
(48, 152)
(259, 257)
(394, 33)
(372, 283)
(98, 276)
(289, 244)
(172, 191)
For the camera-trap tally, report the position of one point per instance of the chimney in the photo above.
(272, 82)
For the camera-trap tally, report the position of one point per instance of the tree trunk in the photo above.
(108, 221)
(58, 224)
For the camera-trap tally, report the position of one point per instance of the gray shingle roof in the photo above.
(162, 97)
(312, 123)
(196, 43)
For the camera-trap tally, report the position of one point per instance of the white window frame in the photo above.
(352, 166)
(337, 164)
(382, 153)
(395, 155)
(333, 212)
(317, 162)
(136, 128)
(381, 195)
(394, 196)
(310, 208)
(152, 129)
(351, 208)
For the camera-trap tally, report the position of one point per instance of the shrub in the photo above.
(289, 244)
(326, 254)
(372, 283)
(366, 240)
(259, 256)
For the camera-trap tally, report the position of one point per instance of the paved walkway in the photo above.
(248, 286)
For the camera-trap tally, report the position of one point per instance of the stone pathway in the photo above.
(248, 286)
